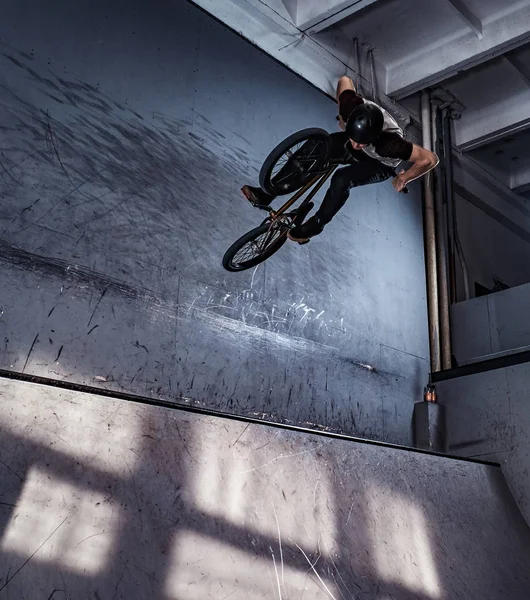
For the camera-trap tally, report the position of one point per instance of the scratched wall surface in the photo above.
(126, 131)
(197, 508)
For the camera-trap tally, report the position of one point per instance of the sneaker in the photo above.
(303, 233)
(257, 197)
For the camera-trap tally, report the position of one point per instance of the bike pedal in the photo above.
(260, 206)
(255, 205)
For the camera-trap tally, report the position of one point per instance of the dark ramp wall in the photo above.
(127, 129)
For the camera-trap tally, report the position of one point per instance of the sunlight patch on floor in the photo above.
(60, 523)
(103, 435)
(402, 548)
(206, 567)
(231, 486)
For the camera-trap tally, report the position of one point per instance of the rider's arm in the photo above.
(345, 83)
(422, 160)
(393, 145)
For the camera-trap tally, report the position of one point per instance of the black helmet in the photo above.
(365, 124)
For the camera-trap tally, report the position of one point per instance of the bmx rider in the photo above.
(378, 148)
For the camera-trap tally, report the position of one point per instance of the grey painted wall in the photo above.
(488, 417)
(111, 500)
(492, 324)
(127, 130)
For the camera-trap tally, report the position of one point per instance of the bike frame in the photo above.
(319, 180)
(275, 216)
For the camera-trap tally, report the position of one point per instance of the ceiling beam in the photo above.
(481, 182)
(469, 18)
(520, 180)
(314, 16)
(515, 226)
(503, 118)
(477, 142)
(429, 67)
(522, 189)
(513, 64)
(292, 8)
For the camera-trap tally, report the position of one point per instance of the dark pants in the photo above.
(360, 170)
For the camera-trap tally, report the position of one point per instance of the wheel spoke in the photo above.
(306, 160)
(258, 246)
(278, 166)
(286, 177)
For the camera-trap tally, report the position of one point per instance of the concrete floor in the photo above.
(107, 499)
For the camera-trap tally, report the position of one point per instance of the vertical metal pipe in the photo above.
(460, 252)
(430, 241)
(455, 247)
(451, 210)
(441, 250)
(358, 64)
(374, 80)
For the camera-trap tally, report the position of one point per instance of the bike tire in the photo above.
(305, 135)
(251, 236)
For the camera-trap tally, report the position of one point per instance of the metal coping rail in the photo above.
(176, 405)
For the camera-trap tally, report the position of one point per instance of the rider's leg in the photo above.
(355, 175)
(259, 196)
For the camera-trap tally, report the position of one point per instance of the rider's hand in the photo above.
(399, 181)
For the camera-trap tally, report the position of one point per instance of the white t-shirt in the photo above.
(391, 126)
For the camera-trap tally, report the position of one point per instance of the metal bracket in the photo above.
(445, 99)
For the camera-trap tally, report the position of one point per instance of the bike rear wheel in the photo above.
(294, 161)
(255, 246)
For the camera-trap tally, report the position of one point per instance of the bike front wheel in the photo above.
(254, 247)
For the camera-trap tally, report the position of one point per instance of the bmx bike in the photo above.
(298, 164)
